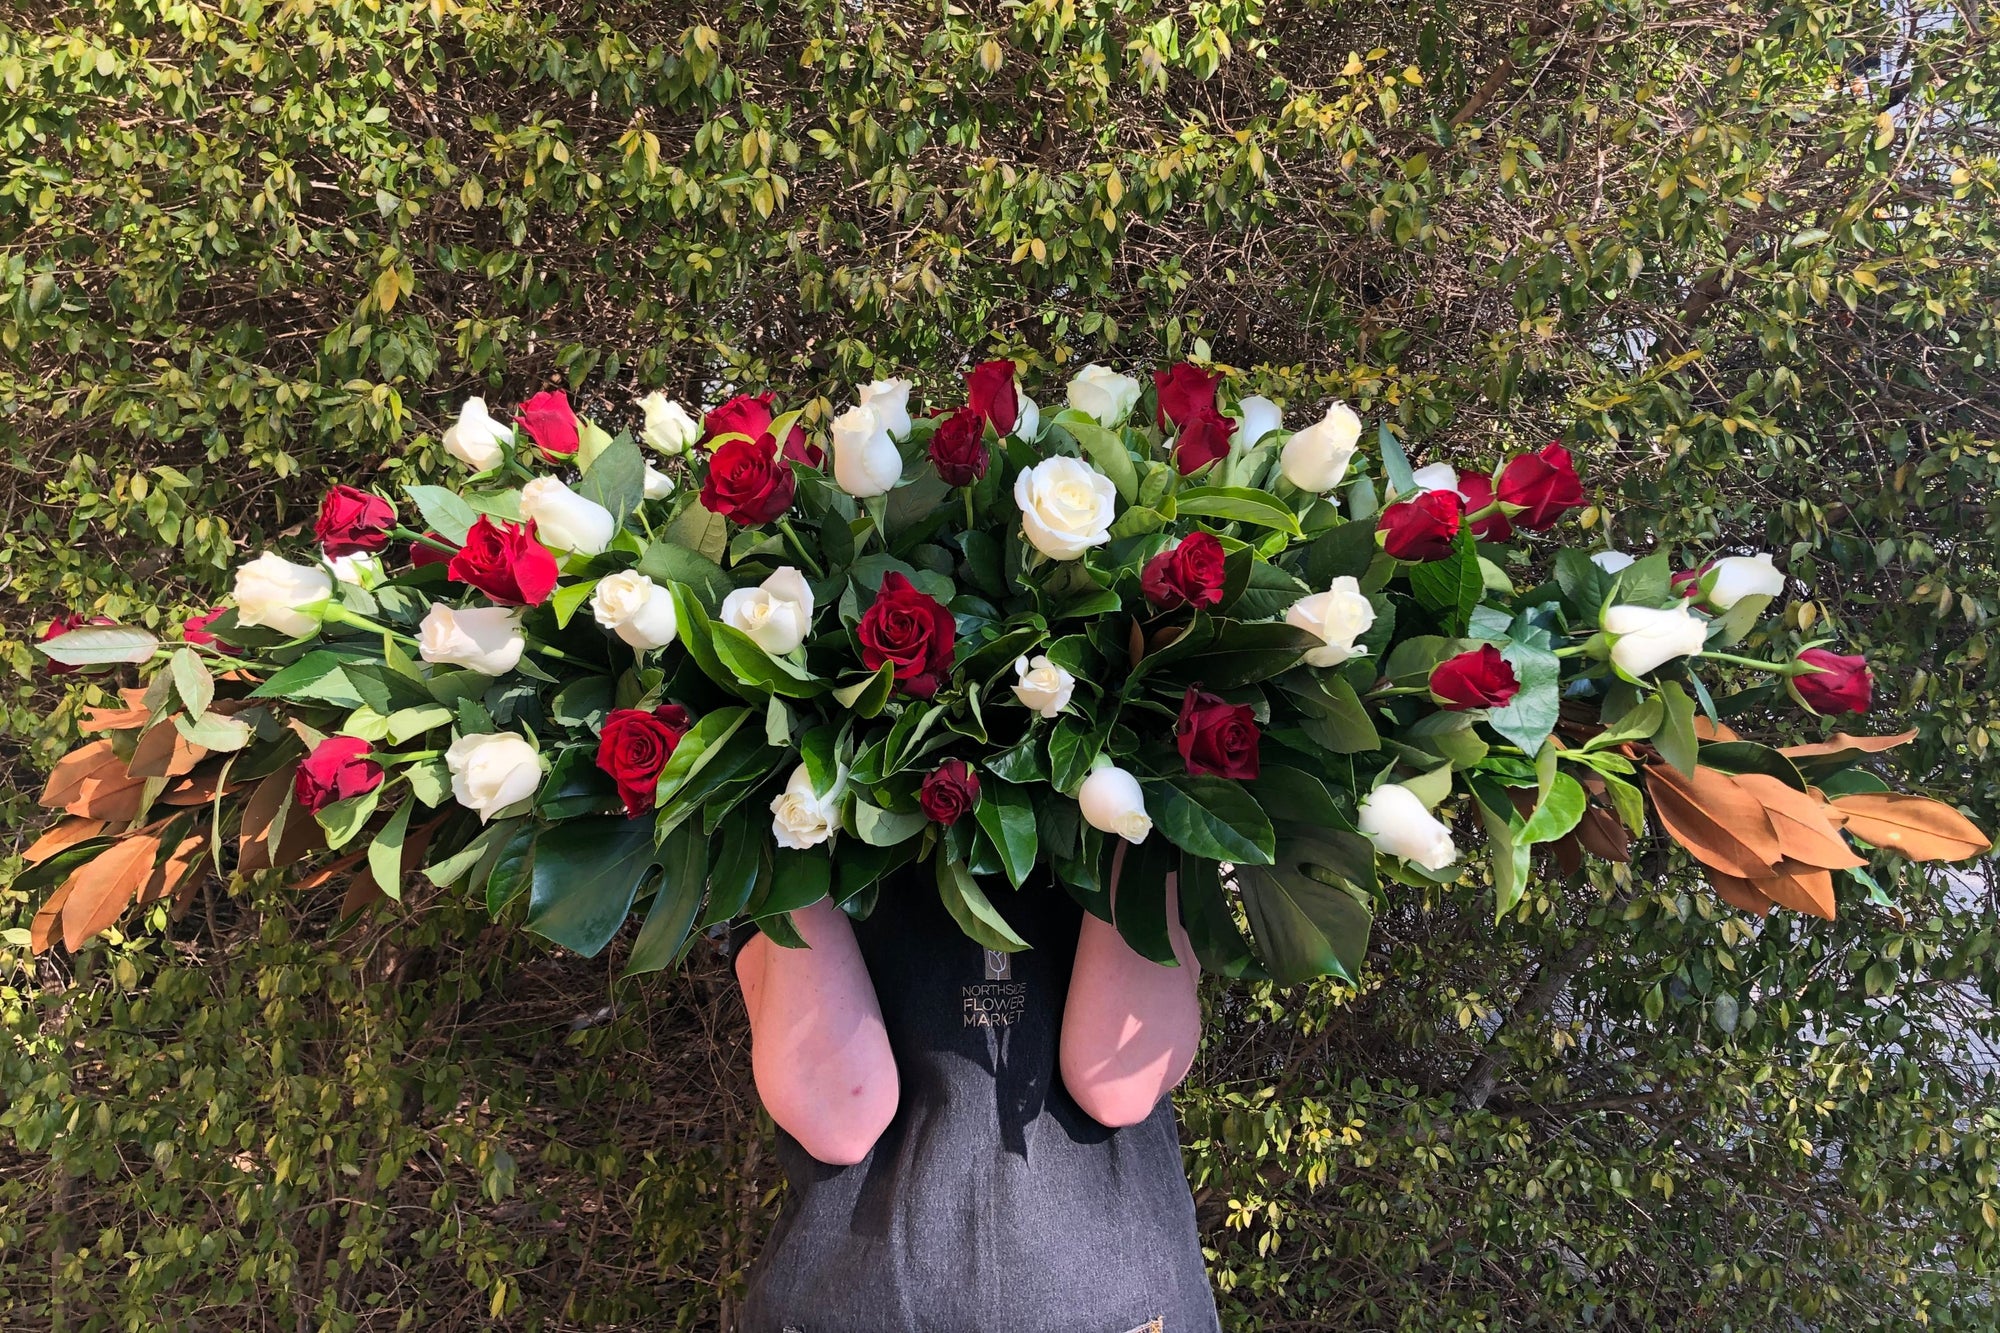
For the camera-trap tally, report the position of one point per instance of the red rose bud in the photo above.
(1478, 679)
(990, 391)
(911, 629)
(1217, 737)
(747, 482)
(1477, 488)
(504, 561)
(194, 630)
(750, 415)
(635, 745)
(1544, 484)
(550, 423)
(338, 769)
(423, 553)
(958, 447)
(1841, 685)
(352, 520)
(1687, 582)
(1202, 440)
(62, 625)
(1187, 574)
(1423, 528)
(950, 792)
(1186, 394)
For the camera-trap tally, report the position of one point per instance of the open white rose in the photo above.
(1316, 458)
(1340, 616)
(1027, 417)
(865, 460)
(1435, 477)
(273, 592)
(1612, 561)
(668, 427)
(360, 568)
(564, 520)
(635, 608)
(889, 400)
(658, 484)
(777, 613)
(491, 771)
(487, 639)
(1066, 506)
(1256, 417)
(1394, 819)
(1042, 685)
(475, 438)
(1112, 803)
(1644, 637)
(1104, 394)
(1740, 576)
(799, 817)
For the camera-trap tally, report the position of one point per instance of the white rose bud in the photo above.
(1396, 822)
(1112, 803)
(564, 520)
(658, 484)
(1643, 638)
(1257, 417)
(1435, 477)
(273, 592)
(1066, 506)
(668, 427)
(1740, 576)
(635, 608)
(1316, 458)
(360, 568)
(865, 461)
(491, 771)
(1042, 686)
(1612, 561)
(487, 639)
(1027, 417)
(475, 438)
(799, 817)
(1340, 616)
(777, 613)
(889, 400)
(1104, 394)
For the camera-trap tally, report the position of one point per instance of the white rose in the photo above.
(668, 427)
(486, 638)
(1436, 477)
(1257, 417)
(1340, 615)
(1643, 637)
(799, 817)
(1396, 822)
(1740, 576)
(492, 771)
(1066, 506)
(635, 608)
(777, 613)
(475, 438)
(360, 568)
(1316, 458)
(865, 461)
(1043, 686)
(273, 592)
(1612, 561)
(1027, 417)
(889, 400)
(1112, 803)
(658, 484)
(1104, 394)
(564, 520)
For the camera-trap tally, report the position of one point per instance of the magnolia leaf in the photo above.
(1212, 817)
(684, 874)
(385, 851)
(1008, 818)
(972, 910)
(1917, 826)
(1238, 504)
(1106, 450)
(100, 645)
(615, 477)
(98, 892)
(586, 874)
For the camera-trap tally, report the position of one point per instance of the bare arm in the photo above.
(818, 1048)
(1131, 1026)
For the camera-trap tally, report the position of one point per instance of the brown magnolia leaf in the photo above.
(101, 889)
(169, 874)
(97, 721)
(197, 788)
(1568, 852)
(1739, 893)
(258, 812)
(1135, 642)
(42, 930)
(66, 833)
(1712, 731)
(1916, 826)
(362, 893)
(1800, 887)
(1842, 743)
(111, 794)
(303, 836)
(164, 753)
(339, 866)
(1726, 823)
(1800, 821)
(67, 776)
(1603, 835)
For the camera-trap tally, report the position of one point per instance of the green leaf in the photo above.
(1139, 906)
(798, 879)
(664, 562)
(100, 645)
(742, 859)
(616, 478)
(1106, 450)
(1584, 585)
(1529, 717)
(316, 676)
(684, 872)
(1395, 463)
(586, 874)
(1557, 812)
(191, 681)
(1238, 504)
(697, 635)
(757, 669)
(1343, 551)
(885, 828)
(972, 910)
(1208, 916)
(1294, 796)
(406, 723)
(509, 877)
(1335, 718)
(430, 781)
(568, 598)
(699, 530)
(696, 749)
(1748, 757)
(1675, 739)
(866, 698)
(212, 731)
(1307, 921)
(385, 852)
(343, 819)
(1212, 817)
(443, 511)
(1451, 586)
(1008, 817)
(1073, 745)
(1508, 852)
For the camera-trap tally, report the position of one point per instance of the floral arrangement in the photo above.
(1152, 634)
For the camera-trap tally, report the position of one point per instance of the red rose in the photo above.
(550, 423)
(747, 482)
(423, 553)
(1423, 528)
(1544, 484)
(950, 792)
(62, 625)
(1478, 679)
(352, 520)
(911, 629)
(1202, 440)
(1477, 488)
(1216, 736)
(1186, 574)
(635, 745)
(958, 447)
(750, 416)
(194, 630)
(1687, 582)
(991, 392)
(505, 562)
(338, 769)
(1841, 685)
(1186, 393)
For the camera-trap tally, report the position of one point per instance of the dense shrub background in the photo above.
(1744, 255)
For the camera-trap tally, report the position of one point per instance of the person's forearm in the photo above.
(818, 1048)
(1131, 1026)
